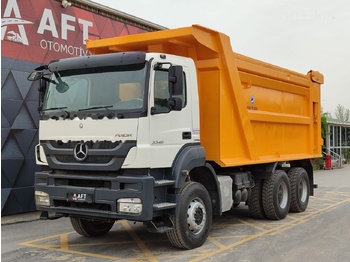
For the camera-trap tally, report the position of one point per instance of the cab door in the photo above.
(169, 129)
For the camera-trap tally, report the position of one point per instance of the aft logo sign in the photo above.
(55, 30)
(79, 197)
(44, 30)
(20, 36)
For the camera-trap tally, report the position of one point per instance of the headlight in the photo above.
(129, 205)
(42, 198)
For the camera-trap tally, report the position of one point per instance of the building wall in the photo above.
(34, 33)
(339, 136)
(337, 142)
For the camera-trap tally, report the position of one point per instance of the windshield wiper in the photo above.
(58, 108)
(111, 115)
(96, 107)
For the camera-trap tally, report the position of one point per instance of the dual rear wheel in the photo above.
(300, 189)
(273, 198)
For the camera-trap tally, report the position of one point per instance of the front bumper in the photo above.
(103, 193)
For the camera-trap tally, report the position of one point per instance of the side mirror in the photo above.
(62, 87)
(35, 75)
(175, 104)
(176, 80)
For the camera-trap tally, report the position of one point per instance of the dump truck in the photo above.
(170, 128)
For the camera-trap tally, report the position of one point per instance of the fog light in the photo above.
(129, 205)
(42, 198)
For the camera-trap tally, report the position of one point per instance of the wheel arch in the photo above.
(190, 163)
(207, 177)
(189, 157)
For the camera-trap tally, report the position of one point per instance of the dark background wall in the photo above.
(19, 135)
(23, 48)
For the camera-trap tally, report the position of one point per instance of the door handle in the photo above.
(186, 135)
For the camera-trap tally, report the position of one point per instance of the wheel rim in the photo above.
(282, 195)
(302, 190)
(196, 216)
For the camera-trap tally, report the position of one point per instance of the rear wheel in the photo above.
(234, 205)
(255, 200)
(300, 189)
(276, 195)
(193, 218)
(91, 228)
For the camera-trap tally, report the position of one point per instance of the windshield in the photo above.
(96, 90)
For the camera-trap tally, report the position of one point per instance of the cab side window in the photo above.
(161, 92)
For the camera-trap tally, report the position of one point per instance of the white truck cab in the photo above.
(118, 137)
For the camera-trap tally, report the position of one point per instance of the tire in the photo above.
(91, 228)
(235, 205)
(255, 200)
(193, 217)
(300, 189)
(276, 195)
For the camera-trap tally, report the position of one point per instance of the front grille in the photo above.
(88, 160)
(88, 155)
(91, 158)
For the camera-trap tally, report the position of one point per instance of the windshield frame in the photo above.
(97, 111)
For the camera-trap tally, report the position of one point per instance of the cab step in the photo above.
(164, 182)
(162, 206)
(160, 226)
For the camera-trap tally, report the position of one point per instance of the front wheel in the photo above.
(91, 228)
(193, 217)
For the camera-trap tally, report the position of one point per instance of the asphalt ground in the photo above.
(321, 233)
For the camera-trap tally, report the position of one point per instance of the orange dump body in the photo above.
(251, 112)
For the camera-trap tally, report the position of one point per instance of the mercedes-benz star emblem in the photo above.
(80, 152)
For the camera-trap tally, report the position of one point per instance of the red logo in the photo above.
(43, 30)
